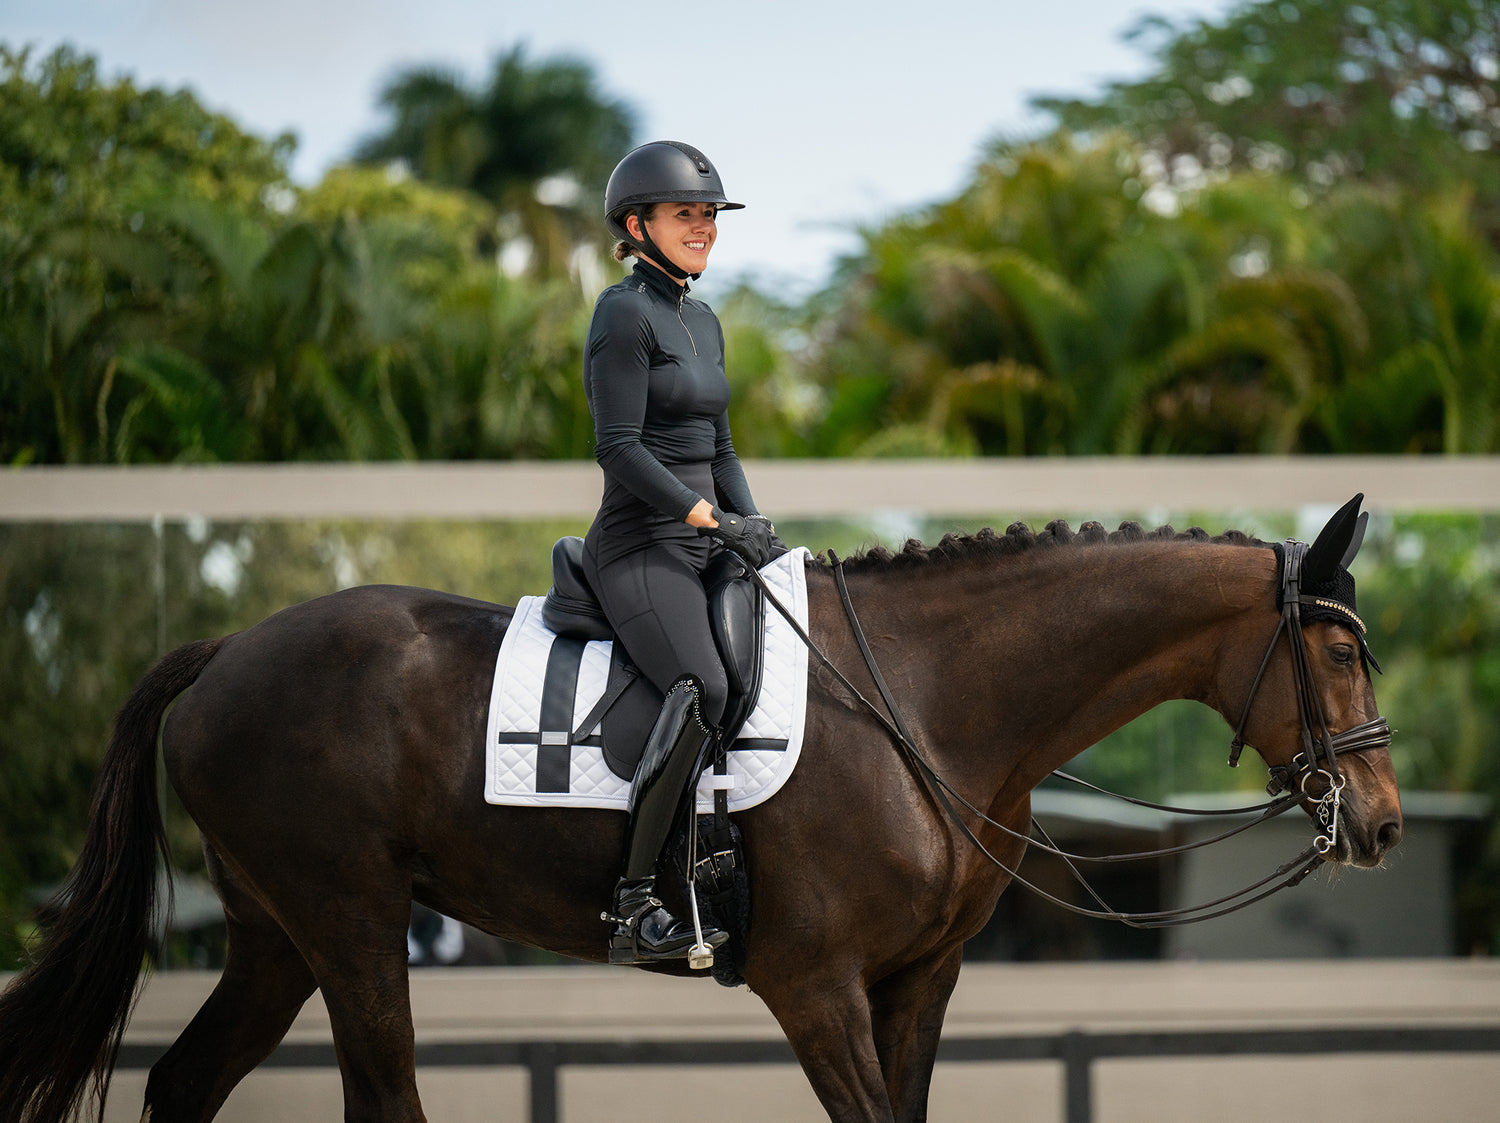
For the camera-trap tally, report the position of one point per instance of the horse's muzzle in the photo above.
(1365, 843)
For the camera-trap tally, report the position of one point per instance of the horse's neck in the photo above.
(1043, 655)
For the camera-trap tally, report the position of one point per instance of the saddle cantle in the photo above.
(570, 608)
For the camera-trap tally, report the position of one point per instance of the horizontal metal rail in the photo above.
(1076, 1050)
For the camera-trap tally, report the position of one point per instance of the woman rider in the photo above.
(653, 371)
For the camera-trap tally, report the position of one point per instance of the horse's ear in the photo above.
(1336, 542)
(1361, 524)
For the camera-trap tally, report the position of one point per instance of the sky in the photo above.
(821, 116)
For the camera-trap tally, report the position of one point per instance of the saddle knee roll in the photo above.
(736, 608)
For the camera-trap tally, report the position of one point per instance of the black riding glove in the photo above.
(778, 547)
(752, 538)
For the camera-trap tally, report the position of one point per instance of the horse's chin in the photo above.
(1366, 860)
(1345, 854)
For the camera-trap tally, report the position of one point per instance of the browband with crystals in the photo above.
(1324, 602)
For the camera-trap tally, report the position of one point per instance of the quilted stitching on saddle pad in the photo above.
(531, 760)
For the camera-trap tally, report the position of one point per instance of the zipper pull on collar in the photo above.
(682, 296)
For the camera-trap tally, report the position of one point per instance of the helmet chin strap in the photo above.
(654, 252)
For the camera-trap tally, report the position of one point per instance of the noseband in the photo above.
(1318, 762)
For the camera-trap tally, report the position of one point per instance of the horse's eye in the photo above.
(1342, 654)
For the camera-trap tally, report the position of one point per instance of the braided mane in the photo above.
(1019, 538)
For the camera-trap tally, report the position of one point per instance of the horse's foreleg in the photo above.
(264, 984)
(907, 1011)
(828, 1026)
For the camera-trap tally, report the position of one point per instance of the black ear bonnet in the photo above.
(1325, 586)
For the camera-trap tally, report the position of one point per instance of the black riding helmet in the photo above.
(664, 171)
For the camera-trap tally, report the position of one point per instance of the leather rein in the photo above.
(1289, 783)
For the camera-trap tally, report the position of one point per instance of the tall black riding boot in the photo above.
(674, 753)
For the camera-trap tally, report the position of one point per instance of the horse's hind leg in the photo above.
(347, 939)
(265, 983)
(353, 934)
(363, 975)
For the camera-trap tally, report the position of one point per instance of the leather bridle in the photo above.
(1289, 783)
(1318, 760)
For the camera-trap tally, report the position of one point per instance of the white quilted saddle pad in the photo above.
(533, 757)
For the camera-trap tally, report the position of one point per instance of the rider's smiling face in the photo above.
(684, 232)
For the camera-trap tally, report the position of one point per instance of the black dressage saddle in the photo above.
(736, 614)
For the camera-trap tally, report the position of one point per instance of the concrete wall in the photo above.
(618, 1004)
(1403, 908)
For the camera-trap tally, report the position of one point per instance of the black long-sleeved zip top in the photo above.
(653, 372)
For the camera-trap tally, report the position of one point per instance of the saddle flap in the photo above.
(736, 612)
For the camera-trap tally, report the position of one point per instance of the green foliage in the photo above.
(72, 145)
(170, 297)
(1072, 301)
(79, 158)
(1281, 240)
(771, 402)
(77, 629)
(166, 294)
(1387, 91)
(1435, 594)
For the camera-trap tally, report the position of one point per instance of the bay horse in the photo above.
(333, 758)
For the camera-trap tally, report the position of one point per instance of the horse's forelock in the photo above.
(1019, 538)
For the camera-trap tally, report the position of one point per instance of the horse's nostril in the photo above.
(1388, 835)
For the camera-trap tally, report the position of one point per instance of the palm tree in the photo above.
(1063, 304)
(1424, 267)
(1014, 319)
(538, 141)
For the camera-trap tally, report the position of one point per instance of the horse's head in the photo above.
(1312, 716)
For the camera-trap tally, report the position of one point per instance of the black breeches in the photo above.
(654, 599)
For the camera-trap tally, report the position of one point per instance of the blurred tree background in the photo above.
(1282, 240)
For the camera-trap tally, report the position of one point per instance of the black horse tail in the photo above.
(62, 1018)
